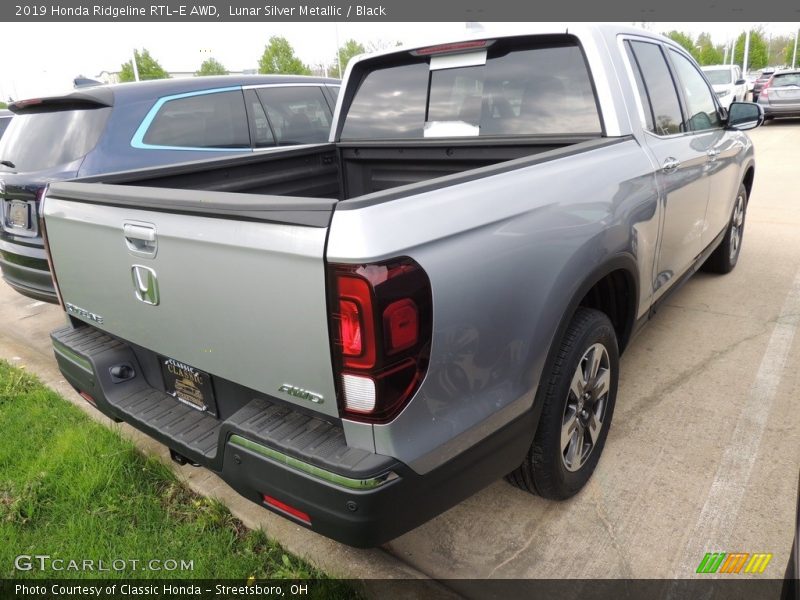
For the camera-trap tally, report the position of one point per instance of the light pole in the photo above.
(794, 54)
(135, 68)
(746, 51)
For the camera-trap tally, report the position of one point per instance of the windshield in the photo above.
(515, 88)
(719, 76)
(785, 80)
(42, 140)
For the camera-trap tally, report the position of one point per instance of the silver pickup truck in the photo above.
(360, 334)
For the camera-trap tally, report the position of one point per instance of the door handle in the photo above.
(670, 165)
(713, 153)
(140, 238)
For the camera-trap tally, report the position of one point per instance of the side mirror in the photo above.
(740, 82)
(745, 115)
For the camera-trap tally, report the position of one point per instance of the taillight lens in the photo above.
(381, 326)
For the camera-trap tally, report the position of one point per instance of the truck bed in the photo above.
(356, 172)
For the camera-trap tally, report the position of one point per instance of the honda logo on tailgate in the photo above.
(145, 284)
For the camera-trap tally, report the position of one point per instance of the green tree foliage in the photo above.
(147, 65)
(708, 53)
(211, 66)
(279, 57)
(347, 51)
(685, 40)
(3, 105)
(758, 57)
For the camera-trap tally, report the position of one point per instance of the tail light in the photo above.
(40, 198)
(381, 329)
(764, 90)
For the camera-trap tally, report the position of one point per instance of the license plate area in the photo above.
(18, 218)
(188, 385)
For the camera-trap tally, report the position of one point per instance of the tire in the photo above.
(553, 468)
(726, 255)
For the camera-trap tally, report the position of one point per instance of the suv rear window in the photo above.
(786, 79)
(207, 120)
(37, 141)
(719, 76)
(522, 89)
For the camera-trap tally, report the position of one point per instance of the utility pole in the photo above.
(794, 54)
(135, 67)
(746, 51)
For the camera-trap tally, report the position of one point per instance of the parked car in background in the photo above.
(728, 83)
(5, 119)
(780, 96)
(763, 78)
(102, 129)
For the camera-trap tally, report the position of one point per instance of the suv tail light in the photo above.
(381, 329)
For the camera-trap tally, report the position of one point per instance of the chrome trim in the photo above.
(257, 86)
(308, 469)
(73, 356)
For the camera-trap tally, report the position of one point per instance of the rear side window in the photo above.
(298, 115)
(4, 121)
(36, 141)
(520, 89)
(207, 121)
(662, 97)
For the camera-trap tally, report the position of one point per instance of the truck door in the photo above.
(681, 157)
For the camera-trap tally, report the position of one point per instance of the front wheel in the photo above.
(726, 255)
(578, 396)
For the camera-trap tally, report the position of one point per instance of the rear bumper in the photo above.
(777, 110)
(25, 269)
(266, 448)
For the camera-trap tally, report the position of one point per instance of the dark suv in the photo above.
(104, 129)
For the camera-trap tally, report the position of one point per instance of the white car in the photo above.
(728, 83)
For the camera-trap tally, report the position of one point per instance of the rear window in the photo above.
(786, 79)
(209, 120)
(719, 76)
(298, 115)
(42, 140)
(528, 89)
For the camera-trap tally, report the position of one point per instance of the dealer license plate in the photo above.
(189, 385)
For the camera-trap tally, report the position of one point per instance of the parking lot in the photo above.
(703, 454)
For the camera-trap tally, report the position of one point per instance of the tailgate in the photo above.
(231, 284)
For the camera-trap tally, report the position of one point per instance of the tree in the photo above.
(757, 57)
(147, 65)
(211, 66)
(3, 105)
(708, 53)
(279, 57)
(685, 40)
(350, 49)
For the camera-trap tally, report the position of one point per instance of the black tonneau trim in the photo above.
(142, 175)
(479, 173)
(309, 212)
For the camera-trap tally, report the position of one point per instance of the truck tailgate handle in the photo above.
(140, 238)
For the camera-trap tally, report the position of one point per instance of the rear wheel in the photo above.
(725, 257)
(578, 396)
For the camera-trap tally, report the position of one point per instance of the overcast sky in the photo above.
(43, 58)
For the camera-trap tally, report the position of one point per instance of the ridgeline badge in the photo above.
(297, 392)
